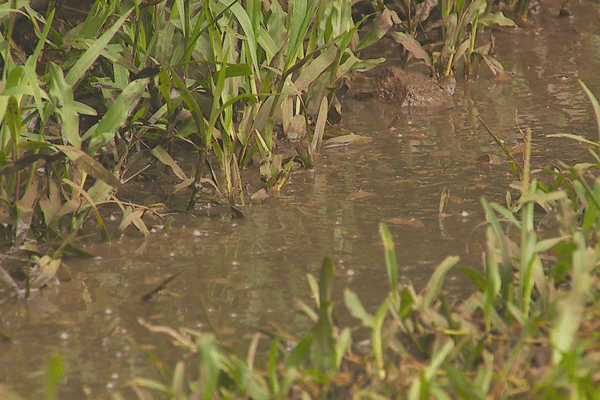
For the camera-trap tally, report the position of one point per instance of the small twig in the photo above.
(502, 146)
(160, 287)
(125, 181)
(184, 340)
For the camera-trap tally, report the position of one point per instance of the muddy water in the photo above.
(250, 272)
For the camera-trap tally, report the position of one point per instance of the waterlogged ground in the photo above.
(251, 272)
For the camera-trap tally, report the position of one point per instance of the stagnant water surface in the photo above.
(250, 272)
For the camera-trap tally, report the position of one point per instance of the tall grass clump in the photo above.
(97, 104)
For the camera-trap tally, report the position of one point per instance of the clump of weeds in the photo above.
(95, 104)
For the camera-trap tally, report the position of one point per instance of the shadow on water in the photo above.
(250, 272)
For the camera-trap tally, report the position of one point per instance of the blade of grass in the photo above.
(86, 60)
(391, 264)
(595, 104)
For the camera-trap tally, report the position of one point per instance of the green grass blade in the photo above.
(91, 202)
(495, 225)
(437, 279)
(377, 339)
(342, 344)
(391, 265)
(62, 91)
(86, 60)
(250, 35)
(474, 276)
(54, 372)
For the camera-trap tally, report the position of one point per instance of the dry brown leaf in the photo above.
(359, 195)
(415, 223)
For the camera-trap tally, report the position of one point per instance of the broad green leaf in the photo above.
(315, 69)
(474, 276)
(133, 217)
(460, 51)
(300, 352)
(6, 9)
(464, 389)
(569, 312)
(267, 43)
(342, 344)
(356, 308)
(117, 114)
(494, 65)
(193, 106)
(547, 244)
(96, 17)
(13, 119)
(3, 106)
(182, 185)
(382, 24)
(412, 46)
(496, 18)
(498, 232)
(166, 159)
(506, 214)
(300, 17)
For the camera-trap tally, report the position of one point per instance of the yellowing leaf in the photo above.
(89, 165)
(166, 159)
(359, 195)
